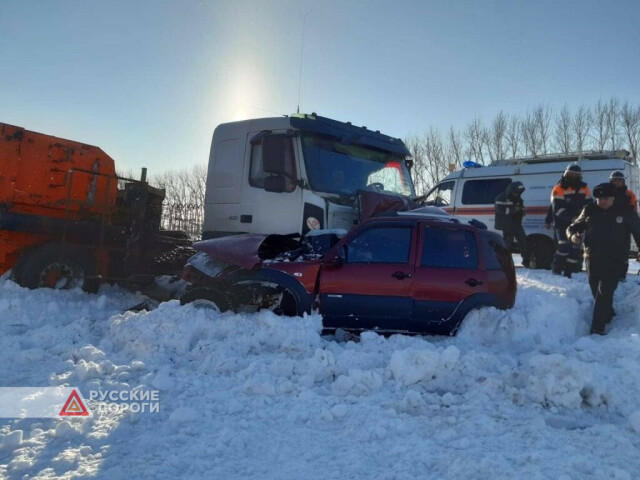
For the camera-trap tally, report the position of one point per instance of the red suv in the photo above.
(404, 273)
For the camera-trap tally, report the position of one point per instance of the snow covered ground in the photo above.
(524, 393)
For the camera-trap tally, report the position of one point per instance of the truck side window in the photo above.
(257, 174)
(483, 192)
(380, 245)
(447, 248)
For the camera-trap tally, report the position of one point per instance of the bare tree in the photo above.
(542, 115)
(497, 137)
(613, 121)
(183, 207)
(454, 147)
(513, 135)
(530, 135)
(599, 121)
(476, 137)
(563, 130)
(415, 145)
(581, 126)
(630, 122)
(437, 165)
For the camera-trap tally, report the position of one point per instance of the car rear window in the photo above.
(448, 248)
(483, 192)
(493, 253)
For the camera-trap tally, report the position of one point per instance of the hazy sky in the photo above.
(148, 81)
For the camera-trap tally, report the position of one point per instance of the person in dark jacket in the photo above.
(606, 229)
(568, 198)
(509, 210)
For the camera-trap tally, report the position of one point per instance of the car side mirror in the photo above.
(276, 184)
(338, 259)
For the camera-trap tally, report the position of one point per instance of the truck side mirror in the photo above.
(275, 184)
(273, 154)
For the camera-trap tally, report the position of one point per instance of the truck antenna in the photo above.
(304, 20)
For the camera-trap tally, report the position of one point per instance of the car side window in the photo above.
(448, 248)
(257, 175)
(380, 245)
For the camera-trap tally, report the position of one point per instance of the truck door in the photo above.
(447, 271)
(370, 289)
(272, 195)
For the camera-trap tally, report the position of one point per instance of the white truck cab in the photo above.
(471, 192)
(297, 173)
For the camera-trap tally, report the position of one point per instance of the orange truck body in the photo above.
(65, 195)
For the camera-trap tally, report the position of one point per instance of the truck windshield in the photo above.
(334, 167)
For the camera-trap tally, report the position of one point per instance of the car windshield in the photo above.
(334, 167)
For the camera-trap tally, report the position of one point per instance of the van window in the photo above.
(257, 175)
(380, 245)
(483, 192)
(447, 248)
(441, 195)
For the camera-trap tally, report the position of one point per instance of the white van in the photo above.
(471, 192)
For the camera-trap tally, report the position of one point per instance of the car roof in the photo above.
(409, 217)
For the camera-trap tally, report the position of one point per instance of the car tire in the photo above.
(207, 298)
(54, 266)
(542, 251)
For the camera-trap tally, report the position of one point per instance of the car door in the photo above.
(447, 272)
(369, 288)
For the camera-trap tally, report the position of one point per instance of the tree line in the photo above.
(607, 125)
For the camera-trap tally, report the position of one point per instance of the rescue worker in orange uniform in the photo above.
(568, 198)
(624, 195)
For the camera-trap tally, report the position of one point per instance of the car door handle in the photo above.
(401, 275)
(472, 282)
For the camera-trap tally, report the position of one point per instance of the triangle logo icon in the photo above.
(74, 406)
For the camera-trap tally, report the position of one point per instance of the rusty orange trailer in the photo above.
(63, 217)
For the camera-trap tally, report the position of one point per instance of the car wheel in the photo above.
(542, 251)
(288, 305)
(209, 299)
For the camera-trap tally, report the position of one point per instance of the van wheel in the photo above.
(542, 251)
(54, 266)
(209, 299)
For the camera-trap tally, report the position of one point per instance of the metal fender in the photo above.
(304, 299)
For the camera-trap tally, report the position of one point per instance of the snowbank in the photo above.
(521, 393)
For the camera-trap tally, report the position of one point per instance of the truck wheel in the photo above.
(54, 266)
(542, 251)
(206, 298)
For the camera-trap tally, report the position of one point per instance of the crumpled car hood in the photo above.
(247, 250)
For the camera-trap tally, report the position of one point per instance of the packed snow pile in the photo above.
(523, 393)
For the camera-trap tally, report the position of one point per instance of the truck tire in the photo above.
(542, 250)
(54, 266)
(216, 300)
